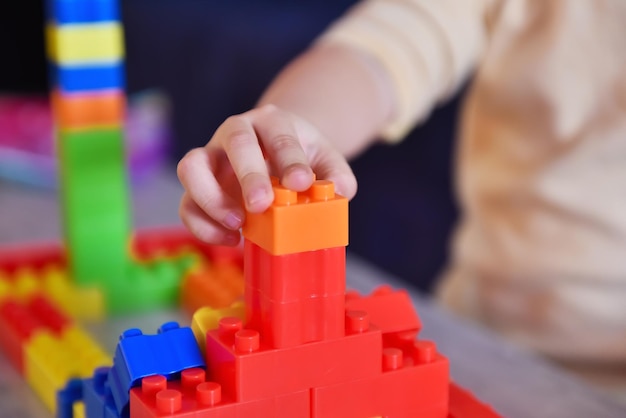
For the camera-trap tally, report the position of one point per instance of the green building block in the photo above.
(95, 205)
(149, 286)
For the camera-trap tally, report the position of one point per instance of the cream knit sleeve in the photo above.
(427, 46)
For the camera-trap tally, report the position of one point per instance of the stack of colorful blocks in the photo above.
(85, 49)
(41, 309)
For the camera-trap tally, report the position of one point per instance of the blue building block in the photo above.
(172, 350)
(97, 396)
(83, 78)
(82, 11)
(67, 397)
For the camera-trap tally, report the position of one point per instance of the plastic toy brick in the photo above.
(146, 286)
(23, 283)
(51, 360)
(214, 285)
(5, 287)
(69, 400)
(169, 352)
(165, 242)
(308, 320)
(21, 320)
(91, 78)
(89, 110)
(297, 222)
(34, 256)
(95, 205)
(193, 396)
(295, 298)
(49, 315)
(240, 361)
(86, 43)
(82, 11)
(413, 383)
(291, 277)
(77, 302)
(206, 319)
(97, 396)
(52, 281)
(17, 326)
(463, 404)
(391, 311)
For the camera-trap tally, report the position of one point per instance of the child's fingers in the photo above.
(329, 164)
(276, 130)
(239, 140)
(196, 172)
(203, 227)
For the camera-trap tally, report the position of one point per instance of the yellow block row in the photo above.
(51, 360)
(85, 43)
(54, 283)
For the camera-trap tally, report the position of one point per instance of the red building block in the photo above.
(193, 396)
(391, 311)
(413, 383)
(15, 257)
(295, 298)
(308, 320)
(464, 405)
(17, 325)
(248, 369)
(163, 242)
(48, 314)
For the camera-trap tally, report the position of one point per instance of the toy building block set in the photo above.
(274, 331)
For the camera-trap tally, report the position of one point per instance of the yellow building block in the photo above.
(77, 302)
(85, 43)
(51, 360)
(207, 318)
(25, 283)
(5, 287)
(78, 410)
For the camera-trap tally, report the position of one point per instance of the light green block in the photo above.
(95, 205)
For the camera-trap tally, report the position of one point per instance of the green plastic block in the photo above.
(95, 205)
(150, 286)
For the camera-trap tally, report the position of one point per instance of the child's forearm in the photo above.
(342, 92)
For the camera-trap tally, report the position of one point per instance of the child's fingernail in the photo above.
(256, 196)
(233, 220)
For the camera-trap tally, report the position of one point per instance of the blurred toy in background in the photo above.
(27, 148)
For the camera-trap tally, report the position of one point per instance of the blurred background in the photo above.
(192, 63)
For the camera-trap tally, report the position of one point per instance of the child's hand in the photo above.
(231, 171)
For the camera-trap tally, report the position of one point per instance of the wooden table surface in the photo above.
(515, 382)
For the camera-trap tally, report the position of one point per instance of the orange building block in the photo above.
(217, 285)
(82, 111)
(297, 222)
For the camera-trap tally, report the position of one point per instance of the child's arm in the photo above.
(377, 72)
(330, 102)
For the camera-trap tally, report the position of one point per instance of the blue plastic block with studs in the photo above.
(172, 350)
(97, 396)
(82, 11)
(67, 397)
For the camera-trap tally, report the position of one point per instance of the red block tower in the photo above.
(295, 266)
(306, 349)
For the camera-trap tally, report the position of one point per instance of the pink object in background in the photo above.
(27, 149)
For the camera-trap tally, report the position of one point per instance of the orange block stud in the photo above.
(82, 111)
(297, 222)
